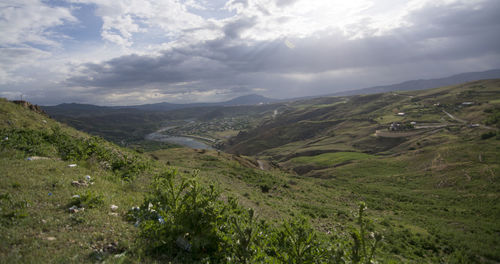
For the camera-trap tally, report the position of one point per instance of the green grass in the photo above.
(49, 232)
(331, 159)
(434, 196)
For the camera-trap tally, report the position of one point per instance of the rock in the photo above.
(113, 214)
(51, 238)
(72, 165)
(79, 183)
(36, 158)
(74, 209)
(114, 207)
(76, 196)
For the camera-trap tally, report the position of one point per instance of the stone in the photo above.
(114, 207)
(79, 183)
(74, 209)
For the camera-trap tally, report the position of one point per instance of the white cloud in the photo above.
(30, 21)
(191, 50)
(123, 19)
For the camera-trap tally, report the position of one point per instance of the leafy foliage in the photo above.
(87, 199)
(493, 119)
(11, 211)
(186, 222)
(58, 143)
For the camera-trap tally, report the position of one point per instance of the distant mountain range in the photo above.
(254, 99)
(425, 84)
(78, 109)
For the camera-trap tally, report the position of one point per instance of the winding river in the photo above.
(180, 140)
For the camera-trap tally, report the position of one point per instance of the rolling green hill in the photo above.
(434, 181)
(67, 197)
(431, 186)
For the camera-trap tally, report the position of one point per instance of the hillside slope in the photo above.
(437, 177)
(426, 84)
(433, 192)
(69, 197)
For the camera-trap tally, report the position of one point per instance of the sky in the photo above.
(128, 52)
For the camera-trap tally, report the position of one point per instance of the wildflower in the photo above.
(87, 177)
(161, 220)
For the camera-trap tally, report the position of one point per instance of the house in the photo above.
(394, 126)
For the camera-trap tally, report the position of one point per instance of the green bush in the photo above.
(296, 242)
(488, 135)
(87, 199)
(67, 147)
(186, 222)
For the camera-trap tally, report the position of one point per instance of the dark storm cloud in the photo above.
(282, 3)
(438, 36)
(234, 28)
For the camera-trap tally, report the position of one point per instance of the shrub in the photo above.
(488, 135)
(56, 142)
(296, 242)
(87, 199)
(184, 221)
(187, 222)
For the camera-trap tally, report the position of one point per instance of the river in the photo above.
(180, 140)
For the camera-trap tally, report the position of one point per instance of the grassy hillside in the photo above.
(69, 197)
(434, 183)
(431, 187)
(38, 188)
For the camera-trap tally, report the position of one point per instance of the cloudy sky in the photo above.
(122, 52)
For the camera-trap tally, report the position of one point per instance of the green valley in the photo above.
(426, 164)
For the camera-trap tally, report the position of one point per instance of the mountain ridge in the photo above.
(250, 99)
(422, 84)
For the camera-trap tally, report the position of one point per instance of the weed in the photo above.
(11, 211)
(87, 199)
